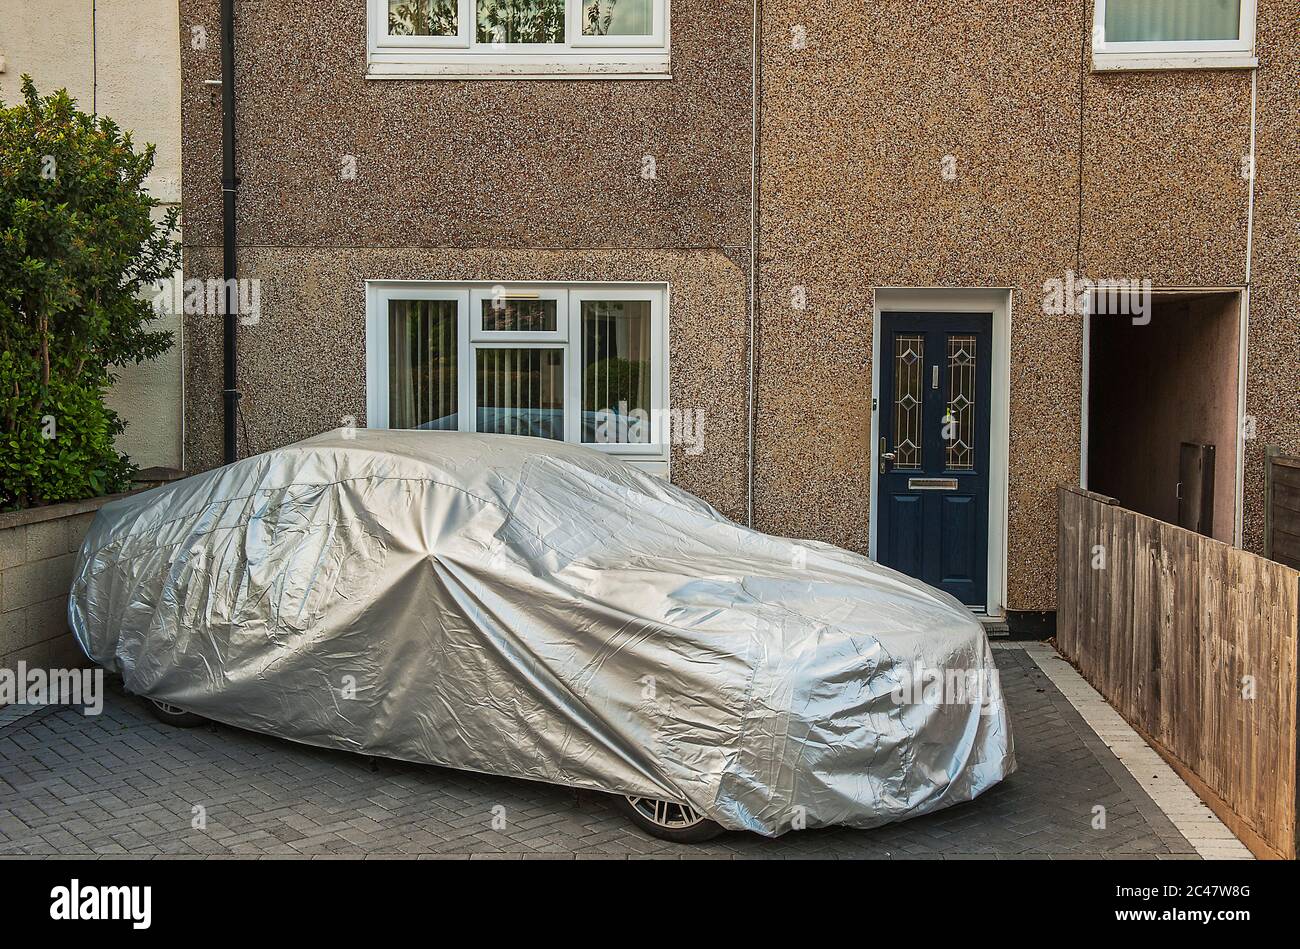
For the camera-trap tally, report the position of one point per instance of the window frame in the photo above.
(480, 294)
(658, 384)
(377, 350)
(470, 423)
(1175, 54)
(377, 28)
(464, 57)
(573, 29)
(653, 456)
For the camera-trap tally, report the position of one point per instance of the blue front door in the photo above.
(933, 467)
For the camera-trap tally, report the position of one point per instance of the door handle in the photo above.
(886, 457)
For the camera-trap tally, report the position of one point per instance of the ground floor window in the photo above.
(571, 362)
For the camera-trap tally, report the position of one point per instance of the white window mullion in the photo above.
(573, 417)
(465, 370)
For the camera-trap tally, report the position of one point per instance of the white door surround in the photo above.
(996, 301)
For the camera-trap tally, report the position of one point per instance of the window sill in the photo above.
(1138, 62)
(654, 65)
(659, 468)
(654, 461)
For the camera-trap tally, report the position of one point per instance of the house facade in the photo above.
(881, 276)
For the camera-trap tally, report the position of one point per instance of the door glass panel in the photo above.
(422, 364)
(616, 371)
(520, 391)
(511, 315)
(959, 422)
(909, 361)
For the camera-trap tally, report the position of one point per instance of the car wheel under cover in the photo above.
(668, 820)
(172, 715)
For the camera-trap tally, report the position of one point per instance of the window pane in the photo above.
(616, 371)
(519, 316)
(422, 18)
(617, 17)
(1151, 21)
(520, 21)
(520, 391)
(422, 364)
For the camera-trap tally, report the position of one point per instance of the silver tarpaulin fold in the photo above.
(539, 610)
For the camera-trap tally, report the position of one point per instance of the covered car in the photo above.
(540, 610)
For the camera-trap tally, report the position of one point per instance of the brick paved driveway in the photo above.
(122, 784)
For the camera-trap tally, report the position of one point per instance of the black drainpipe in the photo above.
(229, 264)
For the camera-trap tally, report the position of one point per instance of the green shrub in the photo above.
(78, 245)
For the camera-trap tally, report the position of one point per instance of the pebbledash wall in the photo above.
(1112, 175)
(476, 180)
(1129, 174)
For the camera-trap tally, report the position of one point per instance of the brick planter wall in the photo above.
(38, 548)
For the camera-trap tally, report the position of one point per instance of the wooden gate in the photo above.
(1282, 507)
(1194, 643)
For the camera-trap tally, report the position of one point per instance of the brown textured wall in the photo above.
(466, 180)
(302, 366)
(466, 163)
(1273, 371)
(1114, 175)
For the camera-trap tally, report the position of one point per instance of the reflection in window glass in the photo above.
(616, 371)
(422, 18)
(520, 21)
(617, 17)
(422, 364)
(1155, 21)
(519, 316)
(520, 391)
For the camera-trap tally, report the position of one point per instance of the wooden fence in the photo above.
(1282, 506)
(1194, 642)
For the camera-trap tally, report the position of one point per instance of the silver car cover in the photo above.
(539, 610)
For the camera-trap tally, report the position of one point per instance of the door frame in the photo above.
(938, 300)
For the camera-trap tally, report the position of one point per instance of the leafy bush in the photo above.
(78, 244)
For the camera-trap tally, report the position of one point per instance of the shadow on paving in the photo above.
(120, 783)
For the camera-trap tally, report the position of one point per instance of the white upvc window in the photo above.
(1173, 34)
(525, 39)
(583, 363)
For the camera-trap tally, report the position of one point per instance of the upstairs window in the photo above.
(459, 39)
(1173, 34)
